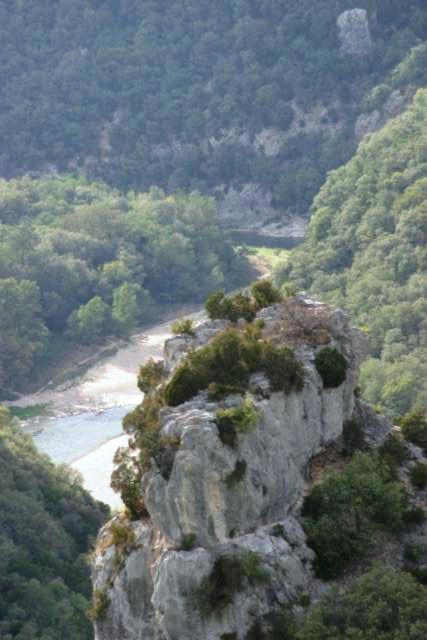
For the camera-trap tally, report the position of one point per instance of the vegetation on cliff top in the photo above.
(366, 251)
(47, 523)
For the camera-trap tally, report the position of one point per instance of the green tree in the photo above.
(90, 320)
(383, 604)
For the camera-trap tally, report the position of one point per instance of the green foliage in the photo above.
(418, 475)
(383, 604)
(79, 261)
(224, 366)
(239, 305)
(90, 321)
(183, 326)
(414, 428)
(284, 372)
(344, 512)
(331, 366)
(237, 475)
(123, 535)
(393, 450)
(126, 480)
(101, 603)
(188, 541)
(229, 575)
(278, 531)
(366, 252)
(276, 625)
(265, 294)
(236, 420)
(47, 524)
(353, 437)
(232, 308)
(150, 375)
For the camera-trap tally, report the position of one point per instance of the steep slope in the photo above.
(366, 251)
(222, 450)
(197, 95)
(47, 522)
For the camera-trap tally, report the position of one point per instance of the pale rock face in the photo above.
(367, 123)
(152, 587)
(247, 208)
(354, 32)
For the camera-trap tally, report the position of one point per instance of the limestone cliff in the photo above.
(224, 508)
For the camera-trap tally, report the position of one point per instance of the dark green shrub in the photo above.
(332, 367)
(183, 326)
(217, 391)
(214, 305)
(228, 636)
(276, 625)
(382, 604)
(420, 574)
(353, 437)
(183, 386)
(188, 541)
(150, 375)
(224, 366)
(418, 475)
(284, 372)
(227, 431)
(122, 534)
(342, 514)
(393, 450)
(229, 575)
(414, 428)
(414, 516)
(278, 531)
(126, 480)
(237, 474)
(100, 604)
(265, 294)
(232, 308)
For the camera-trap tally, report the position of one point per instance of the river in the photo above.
(85, 429)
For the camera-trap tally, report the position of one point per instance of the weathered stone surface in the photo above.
(152, 587)
(354, 32)
(126, 577)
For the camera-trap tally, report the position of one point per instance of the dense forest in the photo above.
(366, 250)
(47, 522)
(137, 91)
(79, 261)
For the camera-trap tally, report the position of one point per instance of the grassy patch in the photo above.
(272, 257)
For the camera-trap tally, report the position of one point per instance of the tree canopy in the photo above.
(366, 251)
(47, 522)
(79, 259)
(137, 92)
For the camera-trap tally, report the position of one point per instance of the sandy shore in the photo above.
(109, 383)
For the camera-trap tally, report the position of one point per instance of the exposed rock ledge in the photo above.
(151, 588)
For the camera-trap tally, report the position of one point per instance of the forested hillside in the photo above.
(367, 251)
(137, 91)
(80, 260)
(47, 522)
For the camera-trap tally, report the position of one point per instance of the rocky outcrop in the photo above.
(395, 104)
(202, 514)
(354, 32)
